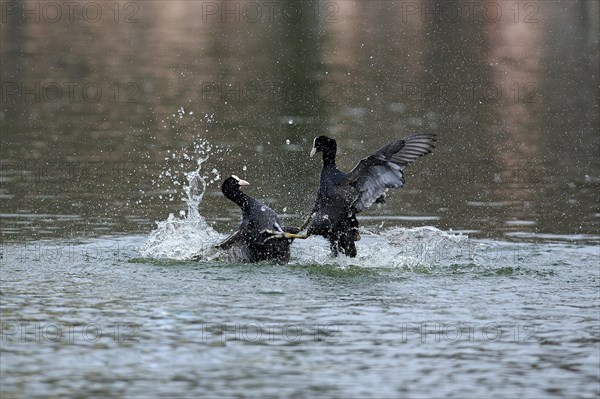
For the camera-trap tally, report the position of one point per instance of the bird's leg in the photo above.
(354, 224)
(306, 222)
(347, 246)
(312, 213)
(283, 234)
(280, 233)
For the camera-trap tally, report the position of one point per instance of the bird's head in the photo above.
(323, 144)
(232, 185)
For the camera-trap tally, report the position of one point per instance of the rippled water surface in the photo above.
(510, 320)
(479, 278)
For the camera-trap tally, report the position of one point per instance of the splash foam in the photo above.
(188, 236)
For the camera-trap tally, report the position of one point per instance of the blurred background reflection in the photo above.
(95, 98)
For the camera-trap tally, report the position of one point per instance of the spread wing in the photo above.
(373, 175)
(237, 247)
(234, 239)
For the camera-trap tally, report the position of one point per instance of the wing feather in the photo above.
(382, 170)
(234, 239)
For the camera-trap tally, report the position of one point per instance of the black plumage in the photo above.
(259, 235)
(342, 195)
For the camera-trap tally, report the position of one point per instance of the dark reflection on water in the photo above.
(90, 110)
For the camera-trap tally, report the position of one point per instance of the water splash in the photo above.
(188, 236)
(409, 248)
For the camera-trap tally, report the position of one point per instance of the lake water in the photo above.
(479, 278)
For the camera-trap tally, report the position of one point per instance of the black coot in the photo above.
(260, 236)
(342, 195)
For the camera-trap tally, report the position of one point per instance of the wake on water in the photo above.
(188, 236)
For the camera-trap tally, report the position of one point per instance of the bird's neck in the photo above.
(238, 197)
(329, 157)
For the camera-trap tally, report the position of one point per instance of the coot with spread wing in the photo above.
(342, 195)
